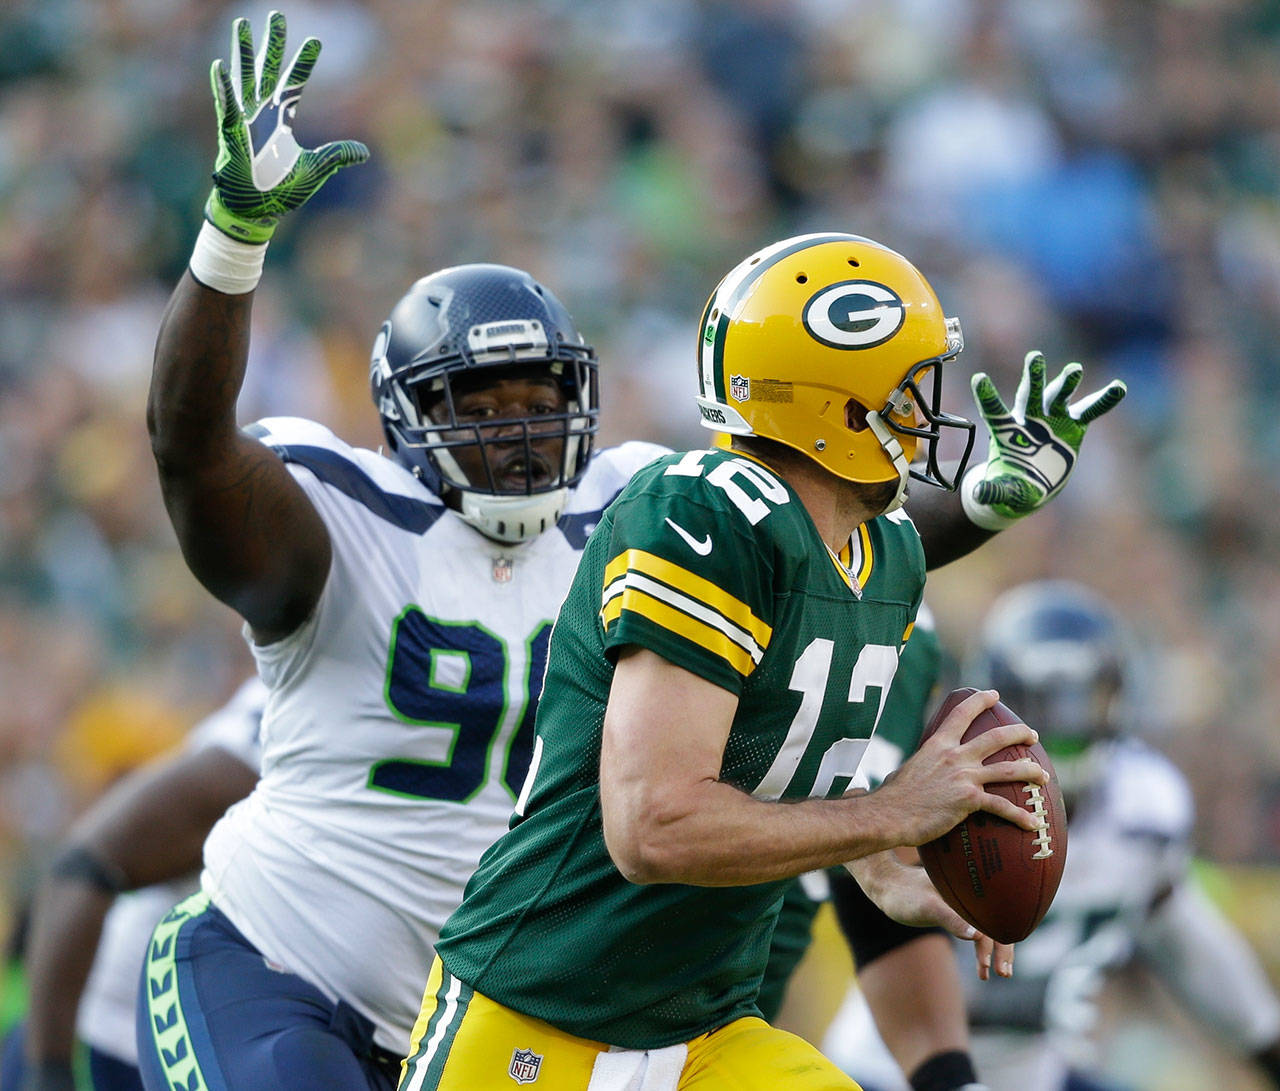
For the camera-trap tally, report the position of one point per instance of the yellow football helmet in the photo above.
(823, 342)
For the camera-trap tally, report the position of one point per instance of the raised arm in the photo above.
(148, 828)
(1032, 450)
(246, 528)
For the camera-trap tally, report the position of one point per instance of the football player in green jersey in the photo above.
(715, 676)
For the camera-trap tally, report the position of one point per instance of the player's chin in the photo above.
(877, 497)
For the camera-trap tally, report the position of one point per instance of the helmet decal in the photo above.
(855, 314)
(728, 298)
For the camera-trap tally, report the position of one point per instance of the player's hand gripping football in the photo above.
(257, 179)
(946, 779)
(1034, 445)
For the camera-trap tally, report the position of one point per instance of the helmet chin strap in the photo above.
(509, 519)
(893, 449)
(512, 519)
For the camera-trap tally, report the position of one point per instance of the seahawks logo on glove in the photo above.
(1035, 445)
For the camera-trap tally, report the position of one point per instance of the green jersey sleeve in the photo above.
(692, 566)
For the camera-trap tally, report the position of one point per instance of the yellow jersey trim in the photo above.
(668, 617)
(694, 586)
(838, 559)
(868, 559)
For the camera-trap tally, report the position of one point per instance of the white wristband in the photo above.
(980, 515)
(226, 264)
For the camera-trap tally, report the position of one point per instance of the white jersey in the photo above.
(399, 724)
(1125, 892)
(106, 1016)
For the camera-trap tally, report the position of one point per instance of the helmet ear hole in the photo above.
(855, 415)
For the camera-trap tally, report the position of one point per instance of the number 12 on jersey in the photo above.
(875, 668)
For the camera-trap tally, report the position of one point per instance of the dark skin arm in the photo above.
(945, 530)
(150, 827)
(246, 527)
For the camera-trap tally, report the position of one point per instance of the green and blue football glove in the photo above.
(253, 186)
(1034, 445)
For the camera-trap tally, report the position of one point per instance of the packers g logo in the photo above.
(854, 314)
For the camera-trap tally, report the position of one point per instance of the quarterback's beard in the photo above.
(879, 496)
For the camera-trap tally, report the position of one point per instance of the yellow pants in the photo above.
(464, 1041)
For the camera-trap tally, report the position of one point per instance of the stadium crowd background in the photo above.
(1097, 178)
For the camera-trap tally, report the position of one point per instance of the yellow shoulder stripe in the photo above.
(668, 617)
(695, 586)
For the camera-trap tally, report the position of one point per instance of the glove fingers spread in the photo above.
(987, 397)
(1030, 387)
(1055, 398)
(254, 186)
(1101, 401)
(270, 57)
(299, 69)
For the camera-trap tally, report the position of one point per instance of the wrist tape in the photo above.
(980, 515)
(225, 264)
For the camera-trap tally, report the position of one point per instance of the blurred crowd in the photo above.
(1096, 178)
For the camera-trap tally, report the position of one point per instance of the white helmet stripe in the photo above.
(730, 295)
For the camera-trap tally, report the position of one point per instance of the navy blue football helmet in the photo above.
(1060, 659)
(480, 322)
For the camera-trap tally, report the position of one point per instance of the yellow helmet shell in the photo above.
(804, 327)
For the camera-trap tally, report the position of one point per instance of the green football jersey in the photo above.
(896, 737)
(711, 561)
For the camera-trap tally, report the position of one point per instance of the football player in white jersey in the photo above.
(1059, 656)
(399, 609)
(127, 860)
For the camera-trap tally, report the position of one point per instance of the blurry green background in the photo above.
(1097, 178)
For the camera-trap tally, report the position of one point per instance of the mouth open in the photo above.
(518, 473)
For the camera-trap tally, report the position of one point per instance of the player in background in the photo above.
(725, 649)
(1061, 658)
(399, 609)
(123, 865)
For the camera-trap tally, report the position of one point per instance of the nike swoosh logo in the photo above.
(701, 548)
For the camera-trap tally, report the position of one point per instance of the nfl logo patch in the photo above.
(739, 388)
(525, 1065)
(503, 567)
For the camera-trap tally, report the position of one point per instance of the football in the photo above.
(1000, 878)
